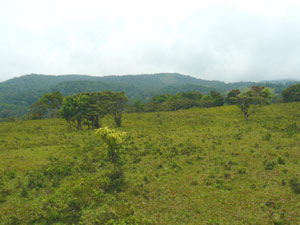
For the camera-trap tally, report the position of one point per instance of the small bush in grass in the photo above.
(295, 185)
(281, 161)
(114, 142)
(269, 165)
(241, 170)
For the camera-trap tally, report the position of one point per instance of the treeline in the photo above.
(168, 102)
(88, 108)
(10, 111)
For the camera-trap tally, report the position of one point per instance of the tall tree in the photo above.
(255, 96)
(97, 108)
(244, 101)
(68, 109)
(116, 104)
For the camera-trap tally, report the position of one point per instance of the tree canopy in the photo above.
(291, 94)
(255, 96)
(47, 106)
(89, 108)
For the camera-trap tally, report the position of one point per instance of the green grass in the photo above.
(197, 166)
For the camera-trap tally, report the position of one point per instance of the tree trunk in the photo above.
(96, 124)
(78, 124)
(246, 116)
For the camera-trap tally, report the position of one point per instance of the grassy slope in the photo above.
(199, 166)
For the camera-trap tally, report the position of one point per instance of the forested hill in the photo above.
(146, 82)
(18, 93)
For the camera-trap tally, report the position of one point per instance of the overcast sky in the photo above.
(229, 40)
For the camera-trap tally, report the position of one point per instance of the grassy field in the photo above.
(198, 166)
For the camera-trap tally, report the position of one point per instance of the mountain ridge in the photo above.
(94, 77)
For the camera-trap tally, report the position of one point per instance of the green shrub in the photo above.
(269, 165)
(281, 161)
(295, 185)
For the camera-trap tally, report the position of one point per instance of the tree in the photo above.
(138, 106)
(161, 98)
(244, 101)
(68, 109)
(217, 99)
(255, 96)
(88, 108)
(47, 106)
(116, 103)
(38, 110)
(232, 94)
(53, 101)
(79, 108)
(194, 95)
(114, 141)
(97, 108)
(206, 101)
(82, 106)
(292, 94)
(258, 90)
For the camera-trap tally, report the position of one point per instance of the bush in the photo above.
(295, 185)
(269, 165)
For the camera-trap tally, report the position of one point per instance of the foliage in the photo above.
(217, 99)
(10, 110)
(89, 108)
(47, 106)
(116, 105)
(184, 100)
(257, 95)
(231, 95)
(295, 185)
(291, 94)
(114, 141)
(138, 106)
(74, 108)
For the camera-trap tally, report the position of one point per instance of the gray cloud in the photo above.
(216, 41)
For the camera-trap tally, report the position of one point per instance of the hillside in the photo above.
(17, 94)
(203, 166)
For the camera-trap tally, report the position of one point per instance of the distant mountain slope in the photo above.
(18, 93)
(27, 89)
(73, 87)
(146, 81)
(160, 80)
(174, 89)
